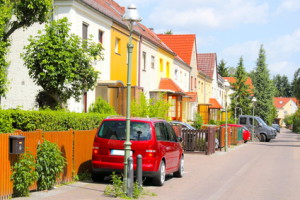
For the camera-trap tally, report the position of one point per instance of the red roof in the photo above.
(206, 62)
(182, 45)
(169, 84)
(232, 80)
(214, 104)
(279, 102)
(193, 96)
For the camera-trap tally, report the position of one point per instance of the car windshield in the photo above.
(260, 121)
(116, 130)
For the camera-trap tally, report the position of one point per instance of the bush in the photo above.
(154, 107)
(48, 120)
(50, 163)
(198, 121)
(23, 175)
(102, 107)
(296, 122)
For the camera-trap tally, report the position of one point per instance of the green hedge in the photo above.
(47, 120)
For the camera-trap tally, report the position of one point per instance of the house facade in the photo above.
(285, 107)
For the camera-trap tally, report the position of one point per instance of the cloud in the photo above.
(286, 45)
(208, 13)
(289, 5)
(248, 50)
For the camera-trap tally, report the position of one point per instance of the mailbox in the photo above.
(16, 144)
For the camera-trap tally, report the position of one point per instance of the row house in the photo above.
(211, 88)
(161, 64)
(285, 106)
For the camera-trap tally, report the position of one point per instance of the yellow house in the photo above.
(284, 106)
(119, 55)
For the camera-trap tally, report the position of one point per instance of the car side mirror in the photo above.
(179, 139)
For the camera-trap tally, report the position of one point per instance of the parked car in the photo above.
(277, 127)
(246, 132)
(261, 130)
(154, 139)
(183, 125)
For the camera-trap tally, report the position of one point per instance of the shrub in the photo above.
(23, 175)
(50, 163)
(48, 120)
(153, 107)
(102, 107)
(198, 121)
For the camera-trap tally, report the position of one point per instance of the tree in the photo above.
(15, 15)
(153, 107)
(263, 88)
(61, 63)
(241, 96)
(296, 84)
(222, 69)
(169, 32)
(282, 86)
(102, 107)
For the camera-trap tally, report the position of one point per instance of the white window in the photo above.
(144, 61)
(152, 62)
(117, 46)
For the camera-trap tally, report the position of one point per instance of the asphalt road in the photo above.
(252, 171)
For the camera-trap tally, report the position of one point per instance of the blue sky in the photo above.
(232, 28)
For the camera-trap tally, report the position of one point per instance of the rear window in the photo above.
(116, 130)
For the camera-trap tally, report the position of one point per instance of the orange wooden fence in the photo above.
(76, 147)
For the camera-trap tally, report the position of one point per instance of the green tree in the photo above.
(153, 107)
(169, 32)
(296, 84)
(61, 63)
(241, 96)
(282, 86)
(15, 15)
(263, 88)
(222, 69)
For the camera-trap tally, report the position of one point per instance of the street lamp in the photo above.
(131, 15)
(227, 86)
(253, 102)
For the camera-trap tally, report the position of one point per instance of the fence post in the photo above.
(211, 140)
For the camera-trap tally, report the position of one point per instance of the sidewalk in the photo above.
(78, 190)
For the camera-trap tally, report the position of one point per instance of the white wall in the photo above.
(22, 89)
(182, 76)
(149, 79)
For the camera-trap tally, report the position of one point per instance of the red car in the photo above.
(246, 132)
(154, 139)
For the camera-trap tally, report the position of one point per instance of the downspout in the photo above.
(139, 62)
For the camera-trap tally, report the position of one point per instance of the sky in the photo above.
(232, 28)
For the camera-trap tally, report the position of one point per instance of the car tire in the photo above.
(96, 177)
(268, 140)
(180, 171)
(245, 141)
(159, 180)
(263, 137)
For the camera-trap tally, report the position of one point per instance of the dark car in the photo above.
(154, 139)
(277, 127)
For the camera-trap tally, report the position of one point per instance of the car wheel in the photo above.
(263, 137)
(268, 140)
(180, 171)
(159, 180)
(98, 177)
(245, 141)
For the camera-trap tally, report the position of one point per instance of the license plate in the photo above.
(116, 152)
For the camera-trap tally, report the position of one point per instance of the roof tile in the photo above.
(206, 63)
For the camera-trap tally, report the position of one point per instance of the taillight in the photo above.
(150, 153)
(95, 150)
